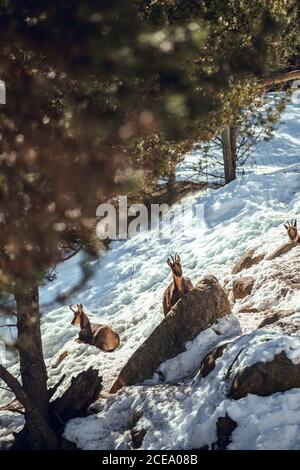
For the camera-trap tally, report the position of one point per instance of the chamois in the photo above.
(101, 336)
(292, 231)
(179, 286)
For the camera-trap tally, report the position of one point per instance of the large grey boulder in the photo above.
(206, 303)
(266, 378)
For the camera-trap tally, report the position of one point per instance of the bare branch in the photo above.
(53, 390)
(282, 78)
(71, 255)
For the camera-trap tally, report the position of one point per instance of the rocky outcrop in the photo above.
(250, 258)
(283, 321)
(246, 309)
(282, 250)
(242, 287)
(273, 316)
(266, 378)
(84, 389)
(206, 303)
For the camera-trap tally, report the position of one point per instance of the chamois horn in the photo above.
(172, 259)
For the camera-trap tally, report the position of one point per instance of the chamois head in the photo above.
(77, 314)
(292, 231)
(175, 265)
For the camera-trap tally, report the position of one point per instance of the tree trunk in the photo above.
(229, 136)
(171, 194)
(32, 365)
(172, 175)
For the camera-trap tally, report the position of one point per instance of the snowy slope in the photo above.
(130, 278)
(266, 157)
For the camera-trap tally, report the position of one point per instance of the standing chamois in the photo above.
(179, 286)
(101, 336)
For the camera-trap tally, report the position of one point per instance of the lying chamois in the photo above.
(178, 287)
(101, 336)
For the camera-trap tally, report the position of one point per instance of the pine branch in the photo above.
(282, 78)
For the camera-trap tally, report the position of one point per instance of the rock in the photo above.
(59, 360)
(84, 389)
(201, 307)
(266, 378)
(137, 436)
(247, 260)
(137, 432)
(275, 316)
(286, 322)
(242, 287)
(209, 362)
(282, 250)
(225, 427)
(290, 328)
(248, 310)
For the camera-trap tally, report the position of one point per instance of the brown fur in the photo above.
(101, 336)
(292, 231)
(179, 286)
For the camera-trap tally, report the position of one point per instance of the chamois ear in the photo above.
(169, 262)
(178, 259)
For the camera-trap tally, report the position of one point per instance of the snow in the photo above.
(8, 424)
(265, 157)
(184, 416)
(126, 292)
(186, 364)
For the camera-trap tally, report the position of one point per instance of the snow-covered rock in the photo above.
(185, 416)
(202, 307)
